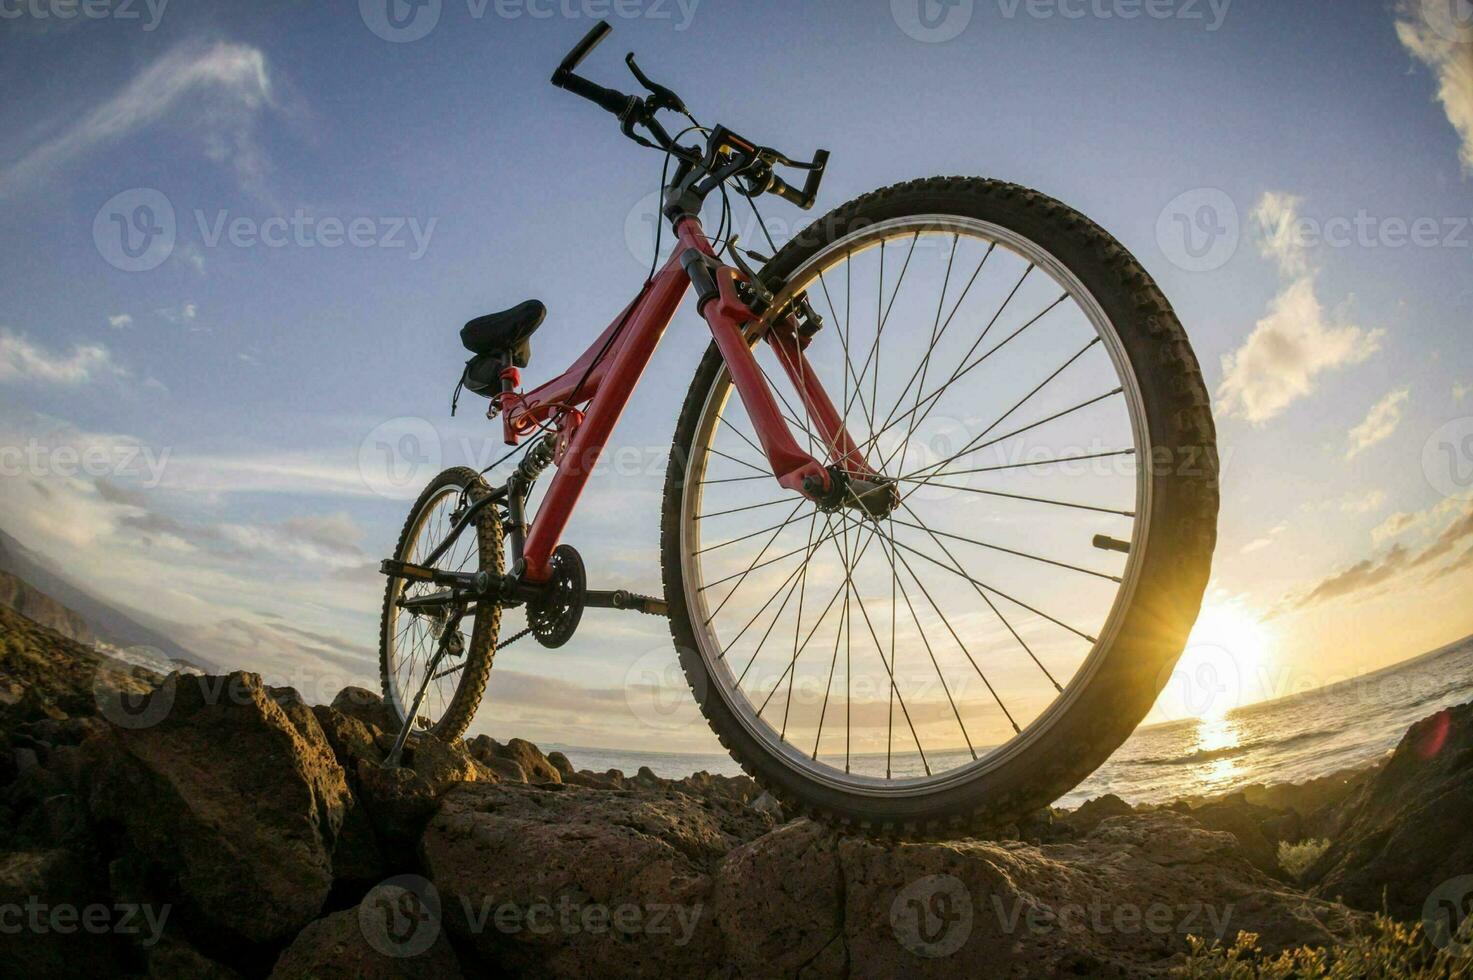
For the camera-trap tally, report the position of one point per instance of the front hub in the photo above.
(874, 496)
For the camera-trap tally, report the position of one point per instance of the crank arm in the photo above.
(624, 599)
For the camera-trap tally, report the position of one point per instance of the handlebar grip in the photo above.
(804, 198)
(580, 51)
(609, 99)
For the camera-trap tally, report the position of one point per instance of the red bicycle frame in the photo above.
(582, 434)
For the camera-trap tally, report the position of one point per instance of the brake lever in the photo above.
(663, 98)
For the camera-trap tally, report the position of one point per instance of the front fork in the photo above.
(723, 310)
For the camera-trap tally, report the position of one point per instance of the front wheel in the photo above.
(975, 652)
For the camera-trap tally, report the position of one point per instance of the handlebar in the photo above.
(633, 110)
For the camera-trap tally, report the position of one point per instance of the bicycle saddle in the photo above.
(505, 332)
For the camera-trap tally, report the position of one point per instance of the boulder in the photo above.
(567, 881)
(47, 894)
(1090, 813)
(1120, 902)
(368, 707)
(1405, 830)
(528, 757)
(223, 794)
(1236, 816)
(354, 944)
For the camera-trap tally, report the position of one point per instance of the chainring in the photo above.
(554, 616)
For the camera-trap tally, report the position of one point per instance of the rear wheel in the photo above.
(408, 639)
(980, 649)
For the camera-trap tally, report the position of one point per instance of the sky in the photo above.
(238, 241)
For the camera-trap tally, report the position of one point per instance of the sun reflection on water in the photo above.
(1216, 741)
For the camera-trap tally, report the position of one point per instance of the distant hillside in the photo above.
(19, 595)
(73, 611)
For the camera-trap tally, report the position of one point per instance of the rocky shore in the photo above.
(212, 826)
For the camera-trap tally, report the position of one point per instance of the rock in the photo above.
(1120, 902)
(561, 764)
(368, 707)
(1405, 830)
(526, 755)
(779, 901)
(1088, 816)
(351, 737)
(45, 895)
(338, 947)
(570, 881)
(1236, 816)
(229, 798)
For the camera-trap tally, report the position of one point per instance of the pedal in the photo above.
(646, 604)
(404, 569)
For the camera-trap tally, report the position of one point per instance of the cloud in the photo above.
(1363, 504)
(223, 87)
(1446, 48)
(1297, 341)
(22, 360)
(1372, 573)
(1393, 526)
(1380, 422)
(121, 321)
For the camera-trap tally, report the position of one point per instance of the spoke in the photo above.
(793, 516)
(797, 628)
(1031, 499)
(1037, 462)
(753, 564)
(786, 554)
(844, 343)
(779, 614)
(925, 364)
(738, 510)
(954, 635)
(716, 452)
(879, 649)
(990, 605)
(995, 591)
(1010, 551)
(791, 575)
(1002, 438)
(735, 479)
(933, 399)
(1020, 402)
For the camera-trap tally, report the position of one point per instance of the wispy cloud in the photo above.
(23, 360)
(1297, 341)
(1446, 48)
(1380, 422)
(1373, 573)
(224, 87)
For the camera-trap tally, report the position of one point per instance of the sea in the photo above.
(1287, 740)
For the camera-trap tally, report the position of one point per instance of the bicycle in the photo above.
(1023, 674)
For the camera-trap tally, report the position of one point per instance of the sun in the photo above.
(1227, 663)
